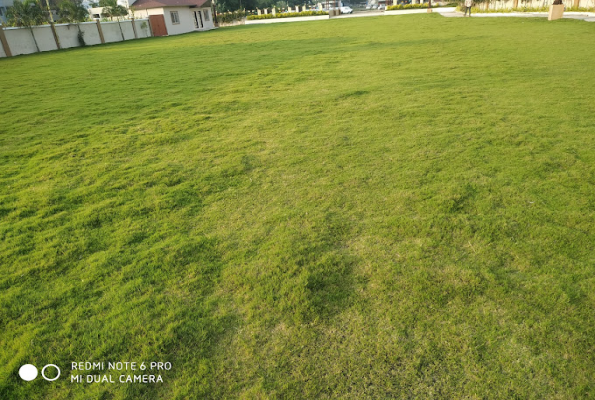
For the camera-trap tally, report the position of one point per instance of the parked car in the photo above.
(381, 7)
(346, 10)
(368, 7)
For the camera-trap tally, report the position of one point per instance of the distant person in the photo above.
(468, 4)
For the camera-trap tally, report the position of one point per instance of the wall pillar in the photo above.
(55, 36)
(134, 29)
(100, 31)
(5, 45)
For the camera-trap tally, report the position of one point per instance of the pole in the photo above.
(134, 28)
(47, 3)
(100, 31)
(55, 35)
(5, 45)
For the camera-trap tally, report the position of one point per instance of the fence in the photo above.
(19, 41)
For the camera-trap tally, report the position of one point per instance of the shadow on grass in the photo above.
(327, 268)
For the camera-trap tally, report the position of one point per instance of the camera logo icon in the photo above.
(28, 372)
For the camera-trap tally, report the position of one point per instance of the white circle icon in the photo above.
(43, 372)
(28, 372)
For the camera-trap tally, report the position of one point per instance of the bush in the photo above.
(288, 15)
(506, 10)
(581, 9)
(406, 6)
(230, 16)
(81, 38)
(415, 6)
(521, 9)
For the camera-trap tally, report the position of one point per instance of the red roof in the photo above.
(144, 4)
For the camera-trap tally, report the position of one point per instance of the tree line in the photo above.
(231, 5)
(27, 13)
(30, 13)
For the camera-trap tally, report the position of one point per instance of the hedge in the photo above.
(288, 15)
(413, 6)
(230, 16)
(520, 10)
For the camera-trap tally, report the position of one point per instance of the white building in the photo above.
(166, 17)
(4, 4)
(96, 12)
(173, 17)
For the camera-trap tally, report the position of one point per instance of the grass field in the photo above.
(391, 207)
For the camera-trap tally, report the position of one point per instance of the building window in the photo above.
(175, 18)
(207, 15)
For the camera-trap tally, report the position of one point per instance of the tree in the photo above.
(233, 5)
(26, 14)
(112, 9)
(73, 11)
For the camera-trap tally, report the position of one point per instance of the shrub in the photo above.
(511, 10)
(415, 6)
(81, 37)
(406, 6)
(288, 15)
(581, 9)
(230, 16)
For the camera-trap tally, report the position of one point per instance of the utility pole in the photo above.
(47, 3)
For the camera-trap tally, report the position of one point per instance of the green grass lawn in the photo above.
(386, 207)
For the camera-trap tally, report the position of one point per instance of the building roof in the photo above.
(144, 4)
